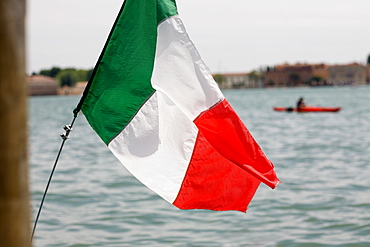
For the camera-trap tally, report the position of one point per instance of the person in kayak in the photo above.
(301, 103)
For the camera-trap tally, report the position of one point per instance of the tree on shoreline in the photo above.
(67, 76)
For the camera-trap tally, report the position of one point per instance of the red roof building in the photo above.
(42, 85)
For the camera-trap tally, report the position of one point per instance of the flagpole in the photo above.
(65, 137)
(14, 190)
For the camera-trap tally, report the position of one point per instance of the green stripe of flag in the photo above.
(121, 83)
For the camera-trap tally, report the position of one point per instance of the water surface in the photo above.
(322, 158)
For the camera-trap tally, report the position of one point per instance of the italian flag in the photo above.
(154, 103)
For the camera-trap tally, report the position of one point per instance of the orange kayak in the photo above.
(308, 109)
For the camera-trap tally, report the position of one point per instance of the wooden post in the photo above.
(14, 192)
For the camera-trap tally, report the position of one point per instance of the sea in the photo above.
(322, 159)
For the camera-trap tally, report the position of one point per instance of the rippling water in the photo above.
(322, 158)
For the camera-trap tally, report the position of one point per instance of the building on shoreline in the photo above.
(42, 85)
(284, 75)
(78, 89)
(348, 74)
(316, 75)
(287, 75)
(238, 80)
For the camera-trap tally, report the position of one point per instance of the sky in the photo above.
(233, 36)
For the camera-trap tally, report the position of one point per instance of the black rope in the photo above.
(65, 136)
